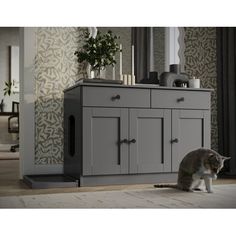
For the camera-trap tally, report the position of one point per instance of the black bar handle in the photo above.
(124, 141)
(132, 140)
(180, 99)
(116, 97)
(119, 143)
(174, 140)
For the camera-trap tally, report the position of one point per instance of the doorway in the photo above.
(9, 101)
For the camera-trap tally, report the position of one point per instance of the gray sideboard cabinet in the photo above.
(116, 134)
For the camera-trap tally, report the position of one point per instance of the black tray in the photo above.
(50, 181)
(104, 81)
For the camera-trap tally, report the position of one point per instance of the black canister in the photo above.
(175, 68)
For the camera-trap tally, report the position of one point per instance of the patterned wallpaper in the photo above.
(159, 49)
(56, 68)
(200, 61)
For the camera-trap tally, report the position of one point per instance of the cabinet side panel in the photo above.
(72, 138)
(87, 141)
(207, 129)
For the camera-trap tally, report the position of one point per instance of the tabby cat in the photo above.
(196, 166)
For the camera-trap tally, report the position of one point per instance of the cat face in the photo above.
(216, 162)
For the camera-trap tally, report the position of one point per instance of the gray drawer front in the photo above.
(116, 97)
(180, 99)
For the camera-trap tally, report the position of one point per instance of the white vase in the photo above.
(92, 74)
(89, 74)
(102, 74)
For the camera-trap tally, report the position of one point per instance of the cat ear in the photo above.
(225, 158)
(222, 158)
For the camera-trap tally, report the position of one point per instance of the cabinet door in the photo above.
(150, 129)
(190, 130)
(103, 128)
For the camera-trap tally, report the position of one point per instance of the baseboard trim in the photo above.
(128, 179)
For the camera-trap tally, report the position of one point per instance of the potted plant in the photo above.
(7, 91)
(98, 52)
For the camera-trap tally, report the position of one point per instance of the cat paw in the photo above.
(187, 190)
(214, 176)
(209, 191)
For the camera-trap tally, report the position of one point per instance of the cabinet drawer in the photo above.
(180, 99)
(116, 97)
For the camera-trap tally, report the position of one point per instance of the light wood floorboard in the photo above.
(11, 185)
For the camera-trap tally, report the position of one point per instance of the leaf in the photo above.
(99, 51)
(7, 89)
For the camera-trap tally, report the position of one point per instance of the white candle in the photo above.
(120, 59)
(151, 50)
(132, 60)
(92, 75)
(129, 82)
(125, 79)
(114, 70)
(133, 80)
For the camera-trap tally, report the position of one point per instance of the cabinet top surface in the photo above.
(139, 86)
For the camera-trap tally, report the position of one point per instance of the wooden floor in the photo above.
(10, 184)
(223, 197)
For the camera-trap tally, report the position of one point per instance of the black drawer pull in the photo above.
(117, 97)
(132, 141)
(174, 140)
(180, 99)
(124, 141)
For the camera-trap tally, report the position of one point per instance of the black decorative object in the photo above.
(174, 78)
(103, 81)
(175, 68)
(50, 181)
(153, 78)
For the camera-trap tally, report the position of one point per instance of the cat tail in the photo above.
(165, 186)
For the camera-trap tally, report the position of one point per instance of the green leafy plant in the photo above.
(99, 52)
(7, 90)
